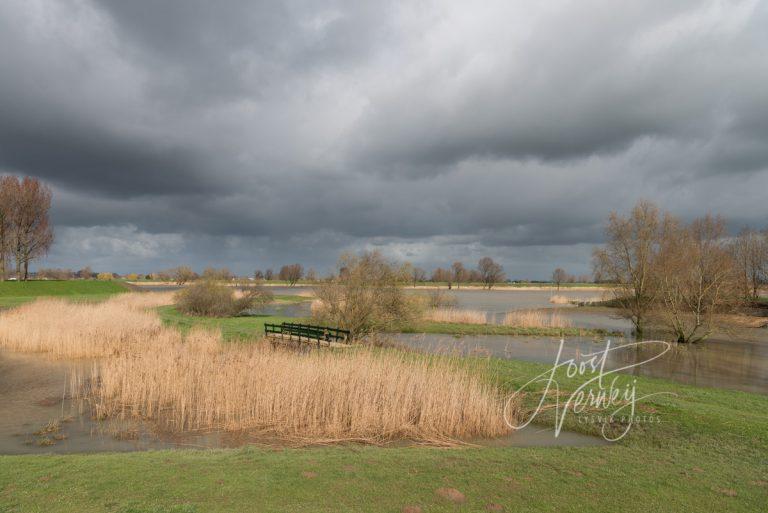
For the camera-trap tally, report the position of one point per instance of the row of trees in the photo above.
(487, 272)
(25, 229)
(679, 276)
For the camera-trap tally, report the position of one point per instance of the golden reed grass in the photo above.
(456, 316)
(559, 300)
(359, 394)
(196, 382)
(535, 319)
(67, 329)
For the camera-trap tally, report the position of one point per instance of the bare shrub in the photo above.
(559, 300)
(535, 319)
(210, 299)
(366, 296)
(363, 395)
(441, 299)
(456, 316)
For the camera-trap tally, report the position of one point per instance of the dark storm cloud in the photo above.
(254, 133)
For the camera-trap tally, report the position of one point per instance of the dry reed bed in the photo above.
(535, 319)
(67, 329)
(197, 382)
(360, 394)
(453, 315)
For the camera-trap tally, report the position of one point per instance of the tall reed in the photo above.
(535, 319)
(456, 316)
(67, 329)
(359, 394)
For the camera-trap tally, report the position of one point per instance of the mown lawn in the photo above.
(708, 453)
(14, 293)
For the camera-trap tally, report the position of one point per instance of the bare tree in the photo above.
(223, 274)
(311, 275)
(269, 275)
(559, 276)
(459, 273)
(440, 275)
(627, 260)
(750, 254)
(697, 277)
(291, 273)
(490, 272)
(9, 186)
(365, 296)
(418, 275)
(32, 233)
(258, 275)
(183, 274)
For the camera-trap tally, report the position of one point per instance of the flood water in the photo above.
(731, 364)
(34, 392)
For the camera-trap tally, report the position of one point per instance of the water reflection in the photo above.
(732, 364)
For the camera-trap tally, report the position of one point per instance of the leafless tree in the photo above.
(291, 273)
(490, 272)
(269, 275)
(258, 275)
(183, 274)
(9, 186)
(418, 275)
(311, 275)
(222, 274)
(697, 277)
(559, 276)
(31, 231)
(459, 273)
(627, 260)
(750, 254)
(440, 275)
(365, 296)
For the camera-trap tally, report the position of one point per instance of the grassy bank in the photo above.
(232, 328)
(14, 293)
(707, 453)
(449, 328)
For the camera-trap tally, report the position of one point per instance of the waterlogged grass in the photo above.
(14, 293)
(232, 328)
(459, 329)
(707, 453)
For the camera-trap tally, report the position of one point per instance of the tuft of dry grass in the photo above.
(559, 300)
(535, 319)
(456, 316)
(66, 329)
(363, 394)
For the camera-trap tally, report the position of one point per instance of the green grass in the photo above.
(232, 328)
(708, 453)
(459, 329)
(13, 293)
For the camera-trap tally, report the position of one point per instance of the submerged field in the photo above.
(704, 450)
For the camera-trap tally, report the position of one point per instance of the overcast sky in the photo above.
(252, 134)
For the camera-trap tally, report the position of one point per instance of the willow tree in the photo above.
(627, 260)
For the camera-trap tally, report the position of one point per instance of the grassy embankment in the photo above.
(708, 453)
(14, 293)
